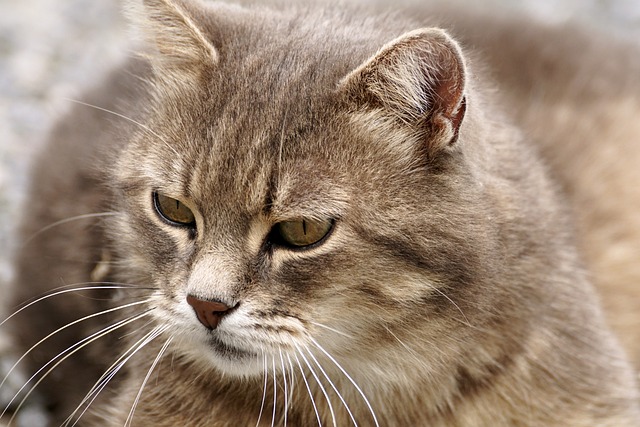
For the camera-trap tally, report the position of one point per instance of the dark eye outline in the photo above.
(156, 206)
(275, 238)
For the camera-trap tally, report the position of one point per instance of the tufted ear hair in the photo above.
(177, 37)
(418, 79)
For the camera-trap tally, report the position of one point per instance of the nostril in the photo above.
(209, 313)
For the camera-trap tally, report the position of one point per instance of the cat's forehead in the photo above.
(257, 141)
(266, 126)
(245, 153)
(269, 160)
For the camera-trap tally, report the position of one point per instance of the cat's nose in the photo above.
(209, 312)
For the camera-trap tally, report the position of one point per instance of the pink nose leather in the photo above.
(209, 312)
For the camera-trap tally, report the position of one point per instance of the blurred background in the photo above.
(51, 49)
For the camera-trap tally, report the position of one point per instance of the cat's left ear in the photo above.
(181, 48)
(419, 80)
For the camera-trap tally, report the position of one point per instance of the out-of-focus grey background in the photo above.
(50, 49)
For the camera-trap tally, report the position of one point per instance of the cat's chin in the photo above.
(227, 358)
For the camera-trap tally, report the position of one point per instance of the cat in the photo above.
(328, 214)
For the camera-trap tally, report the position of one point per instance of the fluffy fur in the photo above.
(451, 288)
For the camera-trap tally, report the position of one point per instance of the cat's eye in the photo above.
(173, 211)
(301, 233)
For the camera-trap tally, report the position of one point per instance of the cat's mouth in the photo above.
(222, 351)
(228, 351)
(227, 354)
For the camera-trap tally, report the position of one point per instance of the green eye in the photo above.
(173, 211)
(301, 232)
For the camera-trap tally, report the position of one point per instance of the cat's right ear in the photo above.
(416, 82)
(179, 46)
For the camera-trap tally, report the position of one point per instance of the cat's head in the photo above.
(300, 185)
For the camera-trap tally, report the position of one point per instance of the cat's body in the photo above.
(448, 286)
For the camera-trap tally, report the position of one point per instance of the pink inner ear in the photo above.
(456, 119)
(448, 85)
(420, 78)
(445, 66)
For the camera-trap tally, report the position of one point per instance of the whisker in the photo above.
(91, 396)
(286, 396)
(75, 288)
(76, 347)
(291, 378)
(67, 220)
(108, 375)
(68, 325)
(322, 389)
(466, 320)
(264, 389)
(353, 419)
(122, 116)
(275, 391)
(414, 354)
(151, 369)
(306, 383)
(332, 329)
(281, 146)
(137, 330)
(364, 397)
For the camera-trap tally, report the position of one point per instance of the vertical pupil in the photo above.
(174, 210)
(300, 232)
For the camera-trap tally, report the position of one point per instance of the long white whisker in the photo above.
(353, 419)
(264, 389)
(75, 348)
(137, 330)
(151, 369)
(332, 329)
(108, 375)
(91, 396)
(67, 220)
(275, 391)
(122, 116)
(286, 395)
(322, 389)
(68, 325)
(75, 288)
(306, 383)
(292, 378)
(364, 397)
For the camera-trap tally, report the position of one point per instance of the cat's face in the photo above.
(318, 206)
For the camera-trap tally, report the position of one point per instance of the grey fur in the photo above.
(451, 289)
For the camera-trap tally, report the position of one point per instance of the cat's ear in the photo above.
(179, 45)
(417, 79)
